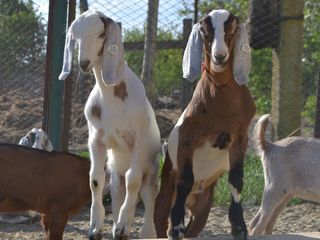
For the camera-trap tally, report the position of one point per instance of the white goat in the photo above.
(291, 169)
(37, 138)
(121, 125)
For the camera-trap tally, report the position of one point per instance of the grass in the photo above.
(253, 184)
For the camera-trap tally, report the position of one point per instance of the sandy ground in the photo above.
(299, 218)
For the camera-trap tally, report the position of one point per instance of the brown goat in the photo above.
(212, 133)
(56, 184)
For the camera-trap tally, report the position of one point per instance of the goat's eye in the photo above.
(102, 35)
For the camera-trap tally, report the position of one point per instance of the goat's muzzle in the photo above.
(219, 59)
(84, 64)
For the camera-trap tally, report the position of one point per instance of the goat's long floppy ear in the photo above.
(67, 56)
(192, 57)
(242, 56)
(113, 62)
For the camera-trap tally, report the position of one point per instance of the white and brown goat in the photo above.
(54, 184)
(121, 124)
(291, 168)
(211, 135)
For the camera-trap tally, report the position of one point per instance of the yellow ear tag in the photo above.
(113, 49)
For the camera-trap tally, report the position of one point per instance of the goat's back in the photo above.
(40, 180)
(295, 161)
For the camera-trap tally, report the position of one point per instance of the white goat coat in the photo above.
(123, 122)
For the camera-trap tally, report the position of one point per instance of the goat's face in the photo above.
(224, 38)
(100, 45)
(219, 30)
(37, 138)
(89, 30)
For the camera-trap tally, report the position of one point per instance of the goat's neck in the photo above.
(104, 89)
(215, 80)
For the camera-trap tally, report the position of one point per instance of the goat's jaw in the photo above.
(85, 71)
(218, 67)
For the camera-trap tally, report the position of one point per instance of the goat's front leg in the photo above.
(97, 180)
(185, 182)
(237, 154)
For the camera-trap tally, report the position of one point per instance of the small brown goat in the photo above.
(211, 135)
(56, 184)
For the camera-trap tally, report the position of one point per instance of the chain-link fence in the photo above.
(22, 67)
(23, 33)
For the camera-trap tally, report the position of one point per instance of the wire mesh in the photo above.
(23, 50)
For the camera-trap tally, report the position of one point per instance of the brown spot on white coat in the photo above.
(120, 91)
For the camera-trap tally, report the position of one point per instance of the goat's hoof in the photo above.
(97, 236)
(240, 234)
(177, 232)
(119, 234)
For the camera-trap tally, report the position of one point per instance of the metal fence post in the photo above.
(53, 92)
(67, 93)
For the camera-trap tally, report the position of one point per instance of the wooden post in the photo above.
(186, 86)
(317, 115)
(53, 91)
(147, 75)
(287, 70)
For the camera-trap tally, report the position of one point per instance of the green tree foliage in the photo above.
(22, 38)
(168, 71)
(311, 58)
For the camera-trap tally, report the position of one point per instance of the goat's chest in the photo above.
(120, 140)
(209, 163)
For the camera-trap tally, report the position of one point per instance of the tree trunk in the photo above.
(148, 66)
(287, 70)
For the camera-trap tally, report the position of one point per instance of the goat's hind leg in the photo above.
(185, 182)
(200, 211)
(148, 194)
(118, 193)
(273, 202)
(56, 223)
(164, 199)
(97, 180)
(133, 183)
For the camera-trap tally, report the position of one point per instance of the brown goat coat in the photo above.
(219, 105)
(56, 184)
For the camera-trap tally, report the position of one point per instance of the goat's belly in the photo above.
(209, 164)
(118, 161)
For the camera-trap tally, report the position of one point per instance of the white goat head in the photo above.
(37, 138)
(222, 36)
(99, 41)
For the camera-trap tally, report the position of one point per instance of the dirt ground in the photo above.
(299, 218)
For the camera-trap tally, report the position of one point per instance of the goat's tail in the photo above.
(259, 131)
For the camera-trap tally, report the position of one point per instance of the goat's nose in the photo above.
(219, 57)
(84, 64)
